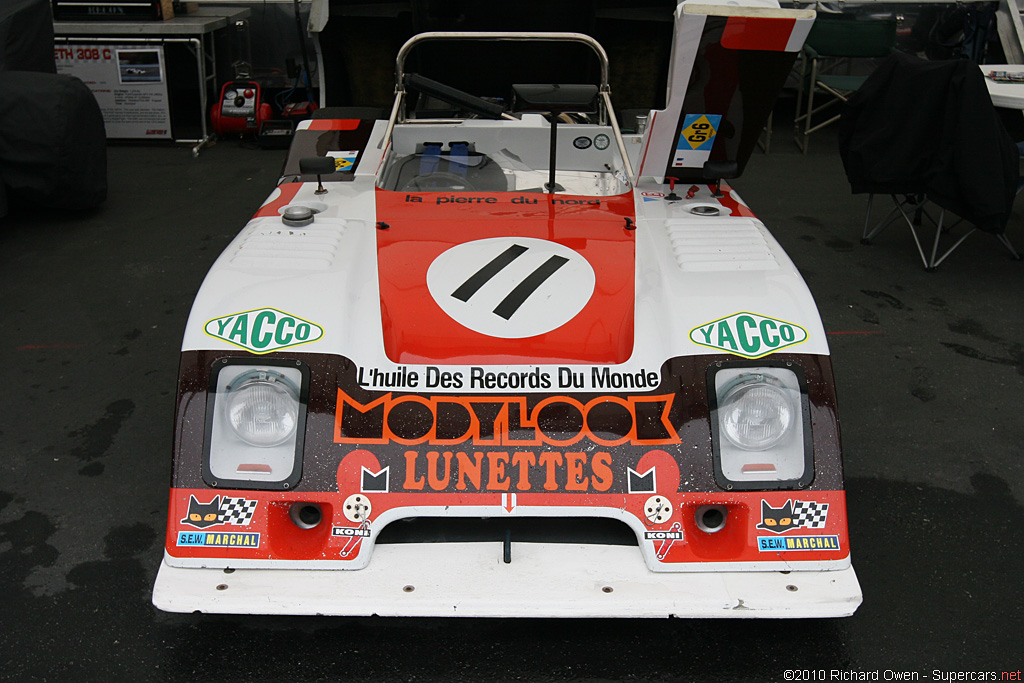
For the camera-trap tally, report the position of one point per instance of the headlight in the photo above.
(760, 425)
(755, 411)
(262, 407)
(256, 414)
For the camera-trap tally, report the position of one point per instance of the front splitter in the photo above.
(542, 580)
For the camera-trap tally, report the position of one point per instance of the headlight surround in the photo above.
(255, 422)
(760, 425)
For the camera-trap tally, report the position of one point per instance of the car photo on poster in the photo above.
(139, 66)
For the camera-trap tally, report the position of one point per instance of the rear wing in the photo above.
(728, 65)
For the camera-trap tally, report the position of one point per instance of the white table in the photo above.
(196, 30)
(1006, 95)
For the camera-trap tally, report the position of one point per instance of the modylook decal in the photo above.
(263, 330)
(748, 335)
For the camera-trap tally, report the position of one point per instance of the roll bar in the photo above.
(501, 35)
(521, 36)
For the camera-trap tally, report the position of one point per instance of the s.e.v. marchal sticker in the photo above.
(748, 335)
(263, 330)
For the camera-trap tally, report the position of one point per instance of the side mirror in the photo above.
(317, 165)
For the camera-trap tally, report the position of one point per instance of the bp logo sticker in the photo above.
(748, 335)
(263, 330)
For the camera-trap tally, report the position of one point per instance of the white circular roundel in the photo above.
(511, 287)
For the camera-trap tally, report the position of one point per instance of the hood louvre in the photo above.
(268, 245)
(720, 244)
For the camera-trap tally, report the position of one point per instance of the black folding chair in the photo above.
(926, 134)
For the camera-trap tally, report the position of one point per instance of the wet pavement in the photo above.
(930, 373)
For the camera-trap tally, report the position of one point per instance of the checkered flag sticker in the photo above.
(237, 511)
(810, 515)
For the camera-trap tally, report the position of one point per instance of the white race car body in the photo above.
(603, 400)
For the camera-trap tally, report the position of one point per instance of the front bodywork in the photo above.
(509, 398)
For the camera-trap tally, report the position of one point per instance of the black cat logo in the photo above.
(202, 515)
(777, 520)
(795, 514)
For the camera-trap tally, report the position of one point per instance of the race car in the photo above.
(494, 357)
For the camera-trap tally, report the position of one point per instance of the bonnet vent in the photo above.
(720, 244)
(269, 245)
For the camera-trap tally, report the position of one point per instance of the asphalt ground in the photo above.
(930, 373)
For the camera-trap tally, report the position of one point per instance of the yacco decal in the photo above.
(263, 330)
(502, 421)
(748, 335)
(467, 277)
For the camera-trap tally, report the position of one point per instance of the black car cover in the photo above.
(52, 141)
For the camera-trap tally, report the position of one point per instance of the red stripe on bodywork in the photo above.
(416, 330)
(281, 539)
(737, 207)
(273, 208)
(757, 33)
(333, 124)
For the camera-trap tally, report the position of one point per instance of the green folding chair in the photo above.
(831, 46)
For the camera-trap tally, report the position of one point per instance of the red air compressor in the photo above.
(240, 109)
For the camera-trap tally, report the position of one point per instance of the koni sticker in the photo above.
(263, 330)
(351, 532)
(220, 510)
(748, 335)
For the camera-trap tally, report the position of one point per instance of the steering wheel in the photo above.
(438, 181)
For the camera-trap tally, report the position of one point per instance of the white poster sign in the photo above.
(129, 82)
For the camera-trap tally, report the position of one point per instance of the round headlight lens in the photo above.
(756, 413)
(262, 407)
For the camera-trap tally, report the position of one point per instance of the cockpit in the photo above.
(476, 155)
(544, 138)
